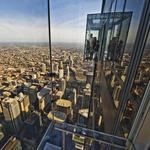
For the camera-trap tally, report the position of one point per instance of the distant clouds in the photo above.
(69, 18)
(23, 21)
(72, 30)
(23, 30)
(26, 20)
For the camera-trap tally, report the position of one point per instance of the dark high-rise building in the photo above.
(33, 94)
(32, 125)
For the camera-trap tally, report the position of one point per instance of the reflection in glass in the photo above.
(108, 5)
(137, 91)
(110, 23)
(136, 14)
(119, 45)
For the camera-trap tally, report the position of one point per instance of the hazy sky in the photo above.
(26, 20)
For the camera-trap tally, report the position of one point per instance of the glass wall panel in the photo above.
(69, 24)
(138, 89)
(115, 41)
(24, 64)
(93, 31)
(120, 38)
(120, 5)
(108, 5)
(136, 15)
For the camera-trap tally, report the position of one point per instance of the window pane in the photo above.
(108, 5)
(117, 61)
(138, 89)
(120, 5)
(136, 15)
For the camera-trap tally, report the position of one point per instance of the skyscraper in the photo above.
(61, 70)
(33, 94)
(55, 67)
(11, 113)
(74, 96)
(62, 84)
(43, 67)
(67, 73)
(24, 105)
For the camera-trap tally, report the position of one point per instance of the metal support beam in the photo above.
(49, 34)
(101, 137)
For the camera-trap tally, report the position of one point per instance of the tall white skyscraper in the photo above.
(67, 73)
(55, 67)
(60, 64)
(61, 73)
(71, 61)
(11, 113)
(43, 67)
(24, 105)
(75, 96)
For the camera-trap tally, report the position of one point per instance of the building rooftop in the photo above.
(9, 100)
(59, 93)
(63, 103)
(32, 118)
(57, 116)
(84, 112)
(33, 87)
(44, 91)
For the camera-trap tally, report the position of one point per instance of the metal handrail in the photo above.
(104, 138)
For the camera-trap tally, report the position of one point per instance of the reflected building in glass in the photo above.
(122, 67)
(116, 114)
